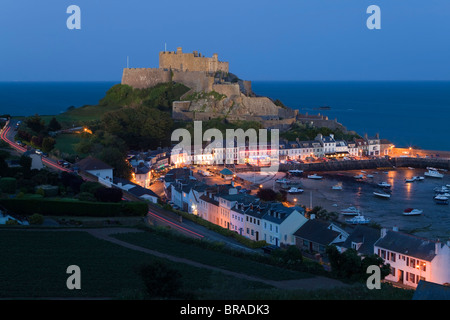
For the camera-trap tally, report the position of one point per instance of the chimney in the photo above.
(437, 247)
(383, 232)
(395, 228)
(312, 216)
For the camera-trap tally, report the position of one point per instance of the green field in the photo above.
(66, 143)
(34, 263)
(215, 258)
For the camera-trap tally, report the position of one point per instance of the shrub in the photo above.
(36, 219)
(11, 222)
(160, 280)
(8, 185)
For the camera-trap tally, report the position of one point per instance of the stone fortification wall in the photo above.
(228, 89)
(141, 78)
(190, 62)
(196, 80)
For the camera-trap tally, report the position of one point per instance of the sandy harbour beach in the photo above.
(433, 224)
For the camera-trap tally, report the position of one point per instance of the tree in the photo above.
(48, 144)
(350, 266)
(25, 163)
(54, 125)
(35, 123)
(267, 194)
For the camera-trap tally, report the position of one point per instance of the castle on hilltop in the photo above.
(214, 91)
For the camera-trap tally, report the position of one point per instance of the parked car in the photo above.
(38, 151)
(45, 155)
(60, 162)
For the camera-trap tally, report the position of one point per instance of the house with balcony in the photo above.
(413, 259)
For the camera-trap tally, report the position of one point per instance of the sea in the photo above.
(409, 114)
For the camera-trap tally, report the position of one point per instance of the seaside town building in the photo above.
(413, 259)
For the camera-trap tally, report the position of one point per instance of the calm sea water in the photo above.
(48, 98)
(407, 113)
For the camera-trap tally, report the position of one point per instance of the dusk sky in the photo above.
(262, 40)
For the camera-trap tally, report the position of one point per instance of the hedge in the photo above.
(51, 207)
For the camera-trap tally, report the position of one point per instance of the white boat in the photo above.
(282, 181)
(382, 194)
(294, 190)
(359, 219)
(410, 180)
(412, 212)
(337, 187)
(442, 189)
(433, 174)
(440, 199)
(420, 178)
(369, 176)
(350, 211)
(447, 185)
(384, 184)
(360, 176)
(314, 176)
(296, 171)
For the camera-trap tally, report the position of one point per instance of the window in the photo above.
(392, 271)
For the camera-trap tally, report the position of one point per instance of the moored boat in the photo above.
(337, 187)
(433, 174)
(384, 185)
(382, 194)
(350, 211)
(294, 190)
(314, 176)
(440, 199)
(359, 219)
(412, 212)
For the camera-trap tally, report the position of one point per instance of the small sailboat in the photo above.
(314, 176)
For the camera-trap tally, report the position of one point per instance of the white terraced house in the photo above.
(413, 259)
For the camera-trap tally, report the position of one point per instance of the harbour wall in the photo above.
(369, 164)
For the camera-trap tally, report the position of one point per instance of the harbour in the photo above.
(433, 223)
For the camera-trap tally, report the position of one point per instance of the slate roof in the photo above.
(317, 231)
(365, 235)
(431, 291)
(408, 245)
(91, 163)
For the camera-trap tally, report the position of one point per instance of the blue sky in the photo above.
(262, 40)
